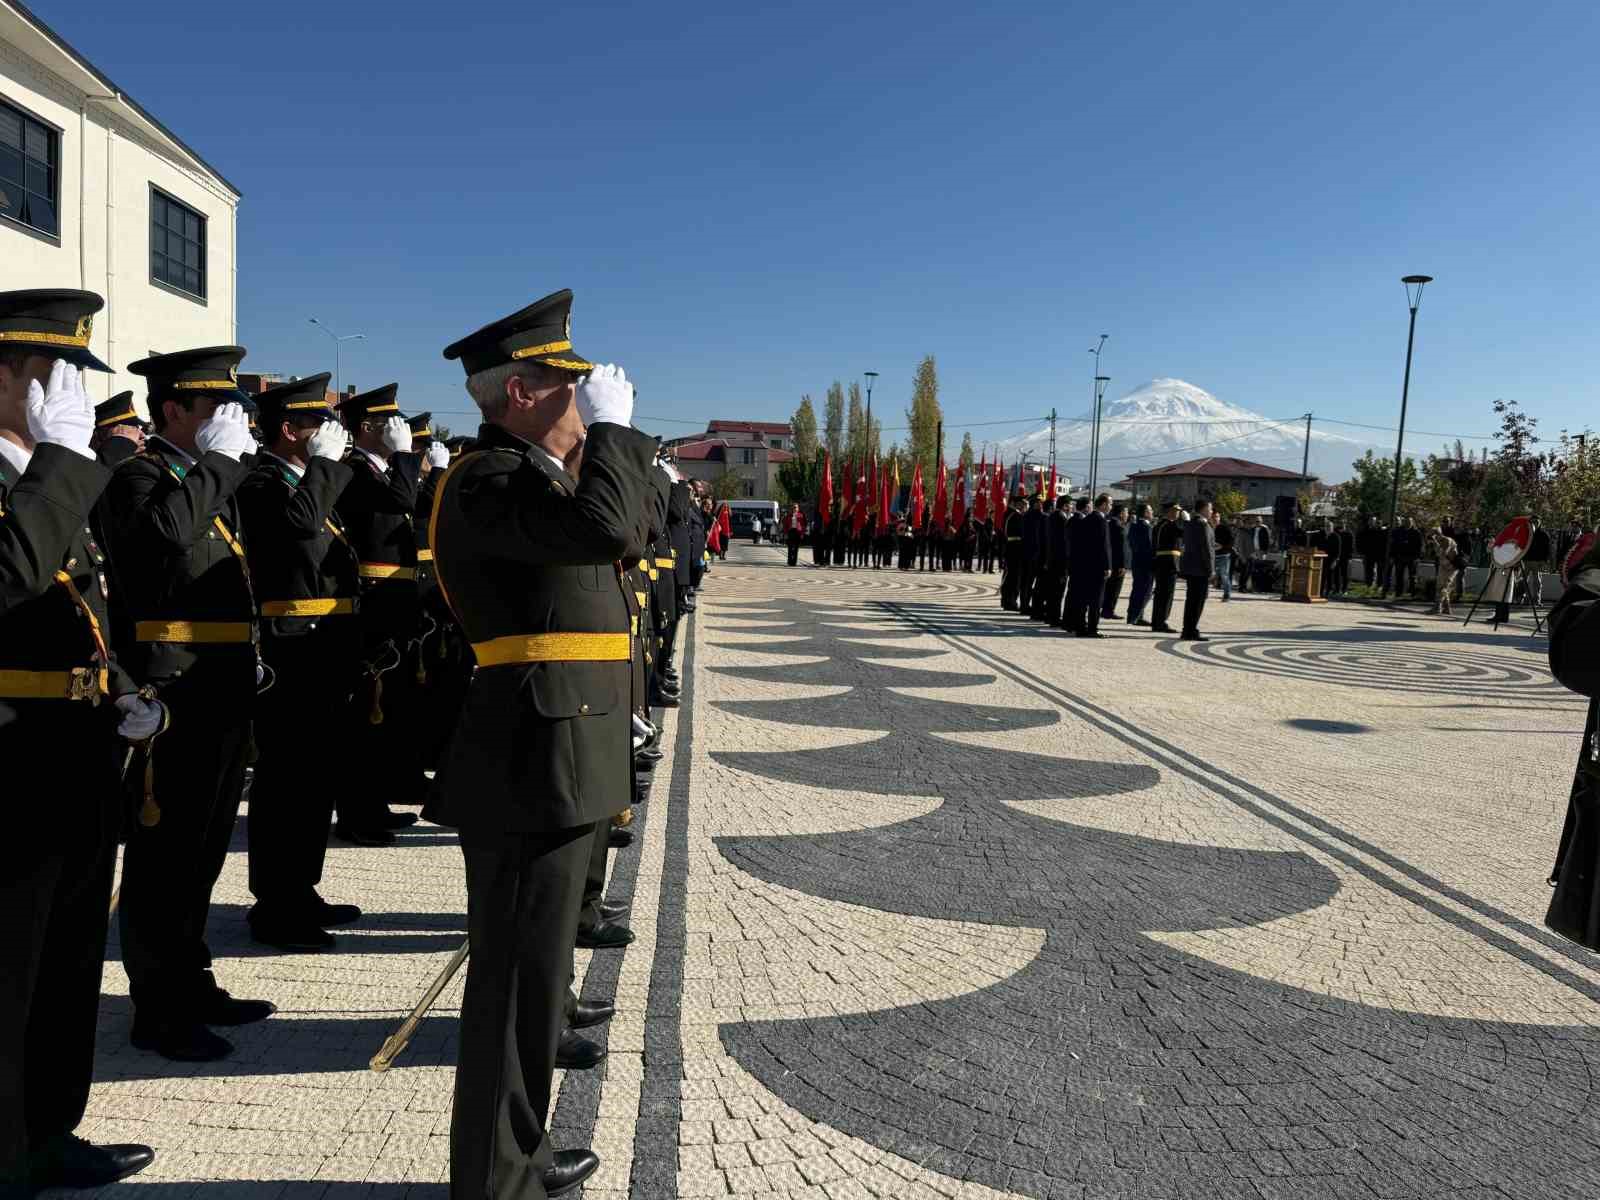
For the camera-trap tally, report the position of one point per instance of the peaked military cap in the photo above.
(118, 410)
(542, 333)
(212, 372)
(459, 444)
(421, 428)
(380, 402)
(306, 397)
(51, 321)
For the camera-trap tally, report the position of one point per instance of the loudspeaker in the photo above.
(1284, 510)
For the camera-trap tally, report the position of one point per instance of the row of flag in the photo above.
(871, 494)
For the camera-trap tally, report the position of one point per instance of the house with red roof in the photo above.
(1206, 478)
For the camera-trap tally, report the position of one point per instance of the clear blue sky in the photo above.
(751, 200)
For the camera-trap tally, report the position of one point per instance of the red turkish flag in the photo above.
(958, 513)
(1051, 494)
(997, 491)
(980, 502)
(918, 500)
(849, 486)
(825, 490)
(941, 500)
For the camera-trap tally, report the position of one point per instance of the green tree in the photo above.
(967, 456)
(1369, 489)
(1230, 503)
(855, 424)
(1575, 480)
(833, 421)
(798, 480)
(804, 427)
(728, 486)
(924, 417)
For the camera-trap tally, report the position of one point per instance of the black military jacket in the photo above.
(1055, 541)
(680, 511)
(115, 451)
(524, 550)
(177, 540)
(1013, 535)
(698, 524)
(1169, 545)
(379, 510)
(299, 554)
(1032, 534)
(663, 577)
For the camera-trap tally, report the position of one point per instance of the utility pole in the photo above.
(1052, 441)
(1305, 461)
(1094, 436)
(1413, 302)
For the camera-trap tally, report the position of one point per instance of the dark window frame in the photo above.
(56, 140)
(177, 271)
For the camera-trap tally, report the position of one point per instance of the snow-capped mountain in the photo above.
(1169, 421)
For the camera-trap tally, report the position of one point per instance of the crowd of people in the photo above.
(360, 616)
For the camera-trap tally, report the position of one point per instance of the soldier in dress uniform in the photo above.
(307, 591)
(435, 647)
(119, 432)
(1012, 568)
(527, 556)
(379, 510)
(1169, 548)
(178, 541)
(64, 701)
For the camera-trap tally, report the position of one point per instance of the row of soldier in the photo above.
(259, 581)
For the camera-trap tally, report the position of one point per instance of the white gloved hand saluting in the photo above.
(605, 394)
(61, 412)
(397, 435)
(438, 455)
(141, 718)
(226, 432)
(330, 442)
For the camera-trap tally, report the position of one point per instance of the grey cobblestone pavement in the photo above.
(933, 902)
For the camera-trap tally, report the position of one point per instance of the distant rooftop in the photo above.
(769, 428)
(1220, 468)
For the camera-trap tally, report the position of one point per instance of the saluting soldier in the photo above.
(119, 432)
(431, 652)
(379, 510)
(304, 571)
(64, 701)
(527, 556)
(177, 539)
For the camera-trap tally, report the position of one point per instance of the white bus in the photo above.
(743, 513)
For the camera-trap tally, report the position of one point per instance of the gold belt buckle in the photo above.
(83, 684)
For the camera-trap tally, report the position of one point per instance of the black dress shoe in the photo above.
(618, 838)
(71, 1162)
(219, 1008)
(180, 1041)
(608, 935)
(576, 1053)
(1162, 629)
(1088, 634)
(331, 915)
(397, 820)
(610, 911)
(1140, 621)
(1193, 637)
(650, 754)
(363, 837)
(571, 1167)
(288, 932)
(660, 701)
(591, 1012)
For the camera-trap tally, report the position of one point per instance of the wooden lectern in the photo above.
(1305, 576)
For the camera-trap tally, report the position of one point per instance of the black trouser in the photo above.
(1084, 591)
(1140, 596)
(594, 879)
(1011, 578)
(55, 887)
(794, 548)
(1195, 590)
(171, 867)
(1025, 579)
(1112, 592)
(523, 895)
(1051, 589)
(1166, 576)
(1573, 910)
(290, 808)
(383, 719)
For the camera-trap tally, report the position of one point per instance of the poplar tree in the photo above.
(924, 417)
(855, 426)
(967, 456)
(833, 417)
(804, 427)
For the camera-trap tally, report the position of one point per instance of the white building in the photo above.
(95, 193)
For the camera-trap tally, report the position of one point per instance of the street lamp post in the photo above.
(337, 342)
(871, 377)
(1100, 382)
(1413, 302)
(1094, 434)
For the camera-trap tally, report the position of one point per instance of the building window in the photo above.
(177, 245)
(747, 457)
(775, 443)
(30, 152)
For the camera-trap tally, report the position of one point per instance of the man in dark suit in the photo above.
(1056, 559)
(307, 587)
(1089, 557)
(67, 711)
(1012, 563)
(527, 554)
(1141, 560)
(1169, 548)
(178, 541)
(1117, 532)
(1032, 549)
(1196, 564)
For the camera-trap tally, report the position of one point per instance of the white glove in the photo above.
(330, 442)
(397, 434)
(226, 432)
(141, 718)
(61, 412)
(438, 455)
(605, 395)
